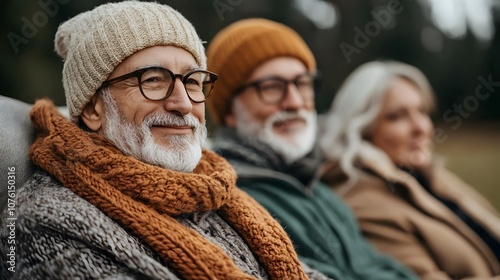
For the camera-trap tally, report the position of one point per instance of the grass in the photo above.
(472, 152)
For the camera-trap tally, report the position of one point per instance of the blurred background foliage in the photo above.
(454, 42)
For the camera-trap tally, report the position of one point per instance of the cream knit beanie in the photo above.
(93, 43)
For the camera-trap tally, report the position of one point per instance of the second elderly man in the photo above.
(265, 105)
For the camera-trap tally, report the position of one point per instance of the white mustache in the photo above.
(168, 119)
(285, 116)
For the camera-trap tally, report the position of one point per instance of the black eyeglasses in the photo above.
(157, 83)
(273, 90)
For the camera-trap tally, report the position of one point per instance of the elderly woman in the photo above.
(378, 139)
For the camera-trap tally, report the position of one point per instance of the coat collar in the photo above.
(251, 152)
(375, 165)
(444, 184)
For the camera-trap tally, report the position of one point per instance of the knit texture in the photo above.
(237, 50)
(59, 235)
(93, 43)
(145, 199)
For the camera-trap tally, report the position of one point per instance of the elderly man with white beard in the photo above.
(265, 109)
(124, 189)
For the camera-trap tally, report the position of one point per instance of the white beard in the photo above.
(291, 147)
(183, 151)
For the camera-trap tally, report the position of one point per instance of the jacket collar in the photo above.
(443, 183)
(251, 152)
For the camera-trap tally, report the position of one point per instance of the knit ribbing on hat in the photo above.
(93, 43)
(237, 50)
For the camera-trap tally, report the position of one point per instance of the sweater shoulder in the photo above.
(44, 204)
(55, 228)
(45, 200)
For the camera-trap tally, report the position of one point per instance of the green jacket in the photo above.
(324, 231)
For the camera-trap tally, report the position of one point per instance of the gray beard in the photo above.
(183, 151)
(292, 147)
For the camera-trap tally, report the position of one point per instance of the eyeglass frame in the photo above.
(256, 84)
(138, 74)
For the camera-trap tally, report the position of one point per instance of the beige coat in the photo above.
(402, 219)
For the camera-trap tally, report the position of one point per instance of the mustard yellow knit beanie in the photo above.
(238, 49)
(93, 43)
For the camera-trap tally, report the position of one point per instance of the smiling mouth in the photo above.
(289, 124)
(173, 129)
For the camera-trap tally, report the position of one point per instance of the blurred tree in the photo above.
(30, 69)
(402, 30)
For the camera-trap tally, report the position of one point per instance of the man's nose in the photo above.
(293, 99)
(178, 102)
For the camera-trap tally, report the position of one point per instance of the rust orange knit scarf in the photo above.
(144, 199)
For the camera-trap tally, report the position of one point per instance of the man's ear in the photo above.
(93, 113)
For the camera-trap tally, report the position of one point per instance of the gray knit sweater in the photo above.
(59, 235)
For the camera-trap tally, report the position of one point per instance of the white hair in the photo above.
(357, 104)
